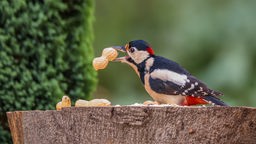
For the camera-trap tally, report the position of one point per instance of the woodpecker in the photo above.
(165, 80)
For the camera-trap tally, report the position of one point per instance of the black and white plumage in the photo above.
(170, 78)
(165, 80)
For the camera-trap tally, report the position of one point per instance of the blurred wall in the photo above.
(214, 40)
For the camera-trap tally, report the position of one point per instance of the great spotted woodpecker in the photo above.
(165, 80)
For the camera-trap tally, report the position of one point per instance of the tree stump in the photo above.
(134, 124)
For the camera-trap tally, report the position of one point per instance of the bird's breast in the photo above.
(162, 98)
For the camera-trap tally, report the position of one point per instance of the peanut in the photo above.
(100, 102)
(94, 102)
(110, 53)
(100, 63)
(81, 103)
(58, 106)
(148, 102)
(65, 102)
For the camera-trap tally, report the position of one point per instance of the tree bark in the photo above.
(130, 124)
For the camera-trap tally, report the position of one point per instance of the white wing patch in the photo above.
(167, 75)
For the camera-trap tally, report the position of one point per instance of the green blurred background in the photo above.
(45, 52)
(46, 49)
(214, 40)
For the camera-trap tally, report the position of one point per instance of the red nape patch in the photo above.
(150, 51)
(189, 100)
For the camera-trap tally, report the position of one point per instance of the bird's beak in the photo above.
(122, 49)
(119, 48)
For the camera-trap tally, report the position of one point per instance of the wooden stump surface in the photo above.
(130, 124)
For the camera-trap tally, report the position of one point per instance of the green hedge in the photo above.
(45, 52)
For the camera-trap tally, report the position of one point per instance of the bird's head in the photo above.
(137, 52)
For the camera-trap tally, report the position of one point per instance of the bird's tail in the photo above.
(214, 100)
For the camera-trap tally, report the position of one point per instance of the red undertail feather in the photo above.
(189, 100)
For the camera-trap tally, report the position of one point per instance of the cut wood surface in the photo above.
(130, 124)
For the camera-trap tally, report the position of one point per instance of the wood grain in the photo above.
(16, 126)
(129, 124)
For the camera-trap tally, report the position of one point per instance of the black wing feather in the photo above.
(164, 87)
(163, 63)
(193, 87)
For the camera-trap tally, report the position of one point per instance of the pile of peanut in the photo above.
(66, 102)
(108, 54)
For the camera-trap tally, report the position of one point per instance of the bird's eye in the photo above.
(132, 49)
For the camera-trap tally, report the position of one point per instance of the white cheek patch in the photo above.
(139, 56)
(167, 75)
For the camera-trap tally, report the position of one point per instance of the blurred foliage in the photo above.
(45, 52)
(214, 40)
